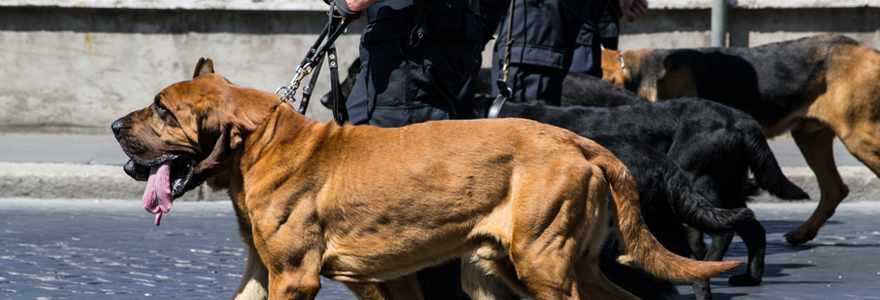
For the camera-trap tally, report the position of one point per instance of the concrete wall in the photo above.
(683, 28)
(78, 69)
(75, 66)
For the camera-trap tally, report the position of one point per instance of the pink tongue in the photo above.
(157, 196)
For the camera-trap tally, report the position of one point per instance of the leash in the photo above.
(311, 64)
(495, 109)
(504, 90)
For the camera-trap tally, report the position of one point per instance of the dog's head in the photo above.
(612, 68)
(188, 133)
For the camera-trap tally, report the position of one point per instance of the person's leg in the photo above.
(400, 85)
(358, 103)
(587, 52)
(464, 107)
(609, 26)
(543, 33)
(536, 83)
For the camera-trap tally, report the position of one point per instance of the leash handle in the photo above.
(307, 90)
(340, 112)
(495, 109)
(504, 90)
(335, 27)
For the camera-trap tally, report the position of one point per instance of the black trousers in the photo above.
(400, 84)
(550, 38)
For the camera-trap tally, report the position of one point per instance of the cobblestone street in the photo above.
(81, 249)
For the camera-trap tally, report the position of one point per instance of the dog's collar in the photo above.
(623, 66)
(495, 109)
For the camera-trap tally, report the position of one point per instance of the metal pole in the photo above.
(719, 23)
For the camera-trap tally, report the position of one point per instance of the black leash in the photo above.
(312, 63)
(504, 90)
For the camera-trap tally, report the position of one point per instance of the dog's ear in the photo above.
(216, 122)
(230, 138)
(204, 66)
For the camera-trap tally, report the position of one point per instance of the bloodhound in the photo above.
(366, 205)
(817, 87)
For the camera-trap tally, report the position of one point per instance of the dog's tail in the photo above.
(763, 164)
(633, 234)
(635, 280)
(696, 211)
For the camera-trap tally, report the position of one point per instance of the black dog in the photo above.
(715, 144)
(668, 199)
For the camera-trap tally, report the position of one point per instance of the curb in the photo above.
(79, 181)
(84, 181)
(863, 184)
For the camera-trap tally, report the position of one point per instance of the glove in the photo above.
(344, 11)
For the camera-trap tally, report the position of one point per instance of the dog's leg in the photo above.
(754, 236)
(480, 285)
(816, 146)
(293, 267)
(695, 239)
(551, 228)
(719, 246)
(401, 288)
(295, 282)
(676, 240)
(365, 291)
(592, 283)
(716, 251)
(255, 281)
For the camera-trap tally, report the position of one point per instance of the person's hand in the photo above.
(633, 9)
(351, 9)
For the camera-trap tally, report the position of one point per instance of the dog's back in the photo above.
(729, 137)
(768, 82)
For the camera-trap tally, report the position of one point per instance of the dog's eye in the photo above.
(162, 110)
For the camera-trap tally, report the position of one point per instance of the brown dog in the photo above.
(818, 87)
(365, 205)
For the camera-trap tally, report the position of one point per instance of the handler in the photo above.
(415, 59)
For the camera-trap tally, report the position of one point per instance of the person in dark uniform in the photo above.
(549, 39)
(415, 60)
(411, 73)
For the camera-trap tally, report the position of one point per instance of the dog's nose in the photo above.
(116, 126)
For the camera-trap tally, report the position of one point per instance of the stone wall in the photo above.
(75, 66)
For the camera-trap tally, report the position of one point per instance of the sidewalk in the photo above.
(90, 167)
(71, 166)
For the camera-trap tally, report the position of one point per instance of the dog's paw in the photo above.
(743, 280)
(799, 236)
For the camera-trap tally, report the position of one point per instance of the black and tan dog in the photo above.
(365, 205)
(818, 87)
(717, 145)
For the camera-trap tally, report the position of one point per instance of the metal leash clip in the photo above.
(290, 89)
